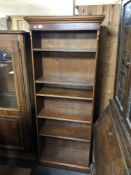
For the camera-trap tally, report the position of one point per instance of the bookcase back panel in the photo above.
(66, 152)
(66, 40)
(64, 129)
(67, 104)
(75, 107)
(56, 109)
(37, 65)
(81, 65)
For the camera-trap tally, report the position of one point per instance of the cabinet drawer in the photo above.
(10, 132)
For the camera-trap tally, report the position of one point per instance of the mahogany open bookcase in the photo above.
(64, 63)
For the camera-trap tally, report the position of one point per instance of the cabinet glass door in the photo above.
(127, 31)
(123, 84)
(8, 98)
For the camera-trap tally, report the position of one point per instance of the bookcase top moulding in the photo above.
(48, 19)
(65, 22)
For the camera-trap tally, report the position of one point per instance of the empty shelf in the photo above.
(48, 49)
(66, 130)
(76, 115)
(66, 93)
(66, 154)
(71, 81)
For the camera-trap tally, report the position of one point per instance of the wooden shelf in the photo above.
(66, 154)
(62, 114)
(69, 81)
(64, 49)
(64, 71)
(66, 130)
(66, 93)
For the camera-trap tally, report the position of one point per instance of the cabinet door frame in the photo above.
(15, 45)
(123, 107)
(22, 82)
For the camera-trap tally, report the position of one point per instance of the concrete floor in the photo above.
(37, 169)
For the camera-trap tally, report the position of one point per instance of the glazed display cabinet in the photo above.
(16, 137)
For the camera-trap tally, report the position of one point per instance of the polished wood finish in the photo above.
(67, 23)
(123, 72)
(76, 115)
(113, 158)
(64, 60)
(66, 81)
(72, 155)
(68, 19)
(65, 50)
(65, 93)
(10, 127)
(12, 170)
(63, 41)
(112, 132)
(16, 133)
(52, 63)
(66, 130)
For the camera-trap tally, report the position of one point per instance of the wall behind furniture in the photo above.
(3, 24)
(107, 50)
(36, 7)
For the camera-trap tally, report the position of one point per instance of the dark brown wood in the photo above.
(64, 50)
(69, 155)
(63, 41)
(62, 114)
(12, 170)
(52, 63)
(112, 132)
(64, 67)
(68, 19)
(9, 128)
(68, 23)
(123, 72)
(16, 136)
(123, 133)
(110, 148)
(14, 32)
(66, 81)
(65, 93)
(66, 130)
(69, 104)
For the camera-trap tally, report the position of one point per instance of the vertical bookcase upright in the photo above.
(64, 61)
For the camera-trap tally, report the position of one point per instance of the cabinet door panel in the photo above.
(10, 132)
(16, 136)
(8, 98)
(108, 156)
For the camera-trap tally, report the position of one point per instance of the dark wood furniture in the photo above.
(112, 132)
(16, 133)
(112, 146)
(11, 170)
(64, 61)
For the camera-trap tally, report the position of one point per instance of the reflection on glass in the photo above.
(127, 14)
(124, 66)
(129, 108)
(127, 43)
(7, 85)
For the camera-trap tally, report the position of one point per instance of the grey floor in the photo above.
(37, 169)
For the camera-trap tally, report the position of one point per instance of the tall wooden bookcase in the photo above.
(64, 61)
